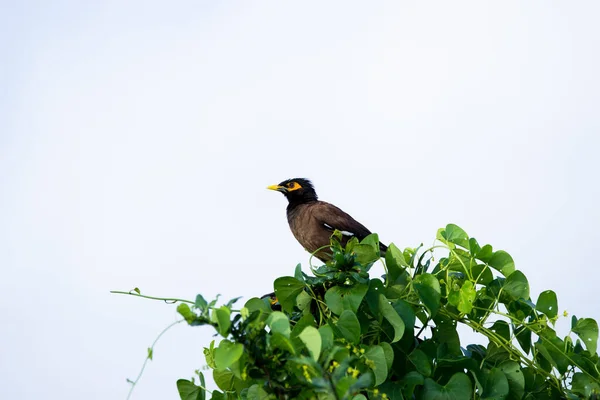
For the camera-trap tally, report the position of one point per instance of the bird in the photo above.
(313, 221)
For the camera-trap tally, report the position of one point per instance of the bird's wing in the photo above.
(333, 218)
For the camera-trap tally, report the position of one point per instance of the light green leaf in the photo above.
(279, 322)
(380, 369)
(223, 320)
(455, 234)
(312, 340)
(466, 297)
(428, 289)
(255, 392)
(395, 262)
(287, 290)
(349, 326)
(390, 314)
(227, 353)
(186, 312)
(326, 337)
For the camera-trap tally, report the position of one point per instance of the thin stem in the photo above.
(165, 299)
(151, 351)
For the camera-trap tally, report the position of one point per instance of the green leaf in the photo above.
(409, 382)
(547, 304)
(340, 298)
(209, 354)
(256, 304)
(496, 385)
(365, 254)
(428, 289)
(326, 337)
(455, 234)
(515, 377)
(223, 320)
(359, 397)
(388, 351)
(390, 314)
(376, 354)
(312, 340)
(349, 326)
(395, 262)
(516, 286)
(279, 322)
(150, 353)
(200, 303)
(279, 341)
(523, 335)
(458, 388)
(287, 290)
(186, 312)
(587, 330)
(466, 297)
(255, 392)
(188, 391)
(223, 379)
(503, 262)
(421, 362)
(584, 385)
(298, 273)
(372, 240)
(227, 353)
(303, 300)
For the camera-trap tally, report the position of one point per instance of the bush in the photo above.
(339, 334)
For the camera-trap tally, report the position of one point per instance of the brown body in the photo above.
(313, 222)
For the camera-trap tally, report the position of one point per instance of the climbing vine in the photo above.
(338, 333)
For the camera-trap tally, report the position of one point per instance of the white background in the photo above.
(137, 139)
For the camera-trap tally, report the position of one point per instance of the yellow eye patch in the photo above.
(293, 186)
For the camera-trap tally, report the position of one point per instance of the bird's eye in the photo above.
(293, 186)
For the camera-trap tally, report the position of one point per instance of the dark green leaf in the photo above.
(428, 289)
(496, 386)
(200, 303)
(388, 351)
(390, 314)
(584, 385)
(458, 388)
(188, 391)
(502, 329)
(548, 304)
(340, 298)
(409, 382)
(587, 330)
(516, 286)
(287, 290)
(421, 362)
(523, 335)
(515, 377)
(349, 326)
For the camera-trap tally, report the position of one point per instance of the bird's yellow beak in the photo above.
(276, 188)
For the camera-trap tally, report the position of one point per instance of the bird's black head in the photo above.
(296, 190)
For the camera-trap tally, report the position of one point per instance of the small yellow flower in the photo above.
(375, 391)
(565, 313)
(362, 351)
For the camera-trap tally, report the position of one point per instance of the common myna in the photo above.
(313, 221)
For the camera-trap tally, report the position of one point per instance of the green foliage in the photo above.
(339, 334)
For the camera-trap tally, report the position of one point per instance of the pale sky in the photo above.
(137, 139)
